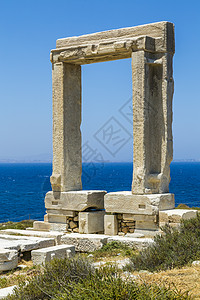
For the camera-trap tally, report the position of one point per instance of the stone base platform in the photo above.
(73, 211)
(83, 222)
(127, 212)
(67, 202)
(126, 202)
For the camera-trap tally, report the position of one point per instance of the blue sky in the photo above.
(28, 31)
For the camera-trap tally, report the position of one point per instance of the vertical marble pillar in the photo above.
(152, 121)
(67, 161)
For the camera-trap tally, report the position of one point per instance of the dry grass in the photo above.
(184, 279)
(14, 277)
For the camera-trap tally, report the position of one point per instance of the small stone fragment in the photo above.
(73, 225)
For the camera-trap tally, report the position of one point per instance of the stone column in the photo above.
(152, 121)
(67, 161)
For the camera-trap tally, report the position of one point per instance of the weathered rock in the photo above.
(196, 263)
(25, 243)
(125, 230)
(7, 255)
(91, 222)
(138, 243)
(126, 202)
(55, 218)
(135, 235)
(41, 256)
(59, 227)
(73, 225)
(6, 291)
(84, 242)
(41, 226)
(175, 215)
(8, 259)
(152, 76)
(33, 233)
(75, 200)
(110, 224)
(147, 233)
(64, 212)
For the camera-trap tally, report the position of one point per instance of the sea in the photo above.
(23, 186)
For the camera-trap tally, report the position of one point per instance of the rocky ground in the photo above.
(184, 279)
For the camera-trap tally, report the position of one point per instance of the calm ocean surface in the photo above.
(23, 186)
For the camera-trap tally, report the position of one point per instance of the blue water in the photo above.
(23, 186)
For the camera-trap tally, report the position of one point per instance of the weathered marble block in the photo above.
(91, 222)
(85, 242)
(75, 200)
(41, 256)
(8, 259)
(126, 202)
(110, 224)
(41, 226)
(149, 222)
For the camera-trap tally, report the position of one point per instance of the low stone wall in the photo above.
(124, 225)
(89, 221)
(121, 224)
(56, 222)
(72, 223)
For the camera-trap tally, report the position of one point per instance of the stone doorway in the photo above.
(151, 48)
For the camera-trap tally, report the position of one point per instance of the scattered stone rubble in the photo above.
(8, 259)
(43, 246)
(173, 217)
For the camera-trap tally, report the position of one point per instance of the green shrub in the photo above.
(175, 248)
(76, 279)
(16, 225)
(53, 278)
(113, 287)
(184, 206)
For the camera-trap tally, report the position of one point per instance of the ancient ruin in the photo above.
(71, 209)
